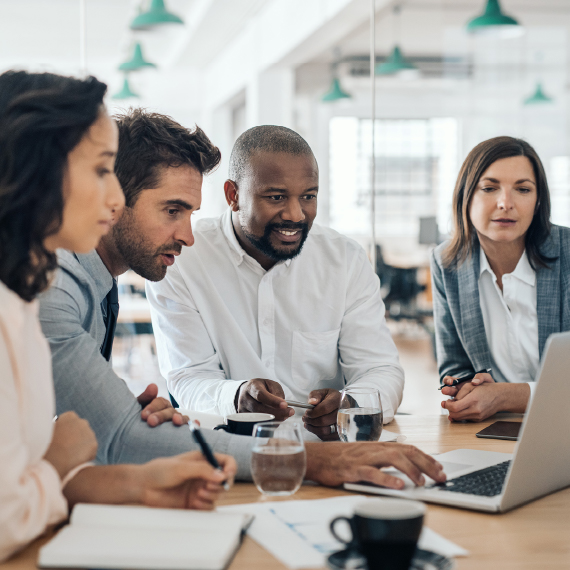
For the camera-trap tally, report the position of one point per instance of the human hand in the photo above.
(158, 410)
(263, 396)
(73, 443)
(477, 403)
(185, 481)
(335, 463)
(320, 419)
(478, 379)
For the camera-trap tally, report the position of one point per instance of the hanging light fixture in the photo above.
(494, 23)
(336, 92)
(137, 61)
(538, 97)
(397, 64)
(156, 15)
(125, 92)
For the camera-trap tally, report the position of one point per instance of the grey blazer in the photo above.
(461, 342)
(71, 319)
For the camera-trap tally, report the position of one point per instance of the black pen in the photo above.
(206, 451)
(468, 378)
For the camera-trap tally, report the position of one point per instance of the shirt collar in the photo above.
(237, 250)
(523, 271)
(97, 270)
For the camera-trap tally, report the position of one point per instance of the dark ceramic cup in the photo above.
(242, 424)
(385, 531)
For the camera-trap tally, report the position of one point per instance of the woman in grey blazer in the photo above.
(501, 284)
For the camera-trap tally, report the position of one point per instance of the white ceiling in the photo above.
(44, 34)
(423, 23)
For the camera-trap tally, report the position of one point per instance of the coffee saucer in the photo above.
(351, 559)
(347, 559)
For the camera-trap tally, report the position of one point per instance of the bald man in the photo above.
(268, 306)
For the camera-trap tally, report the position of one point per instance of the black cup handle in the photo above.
(332, 525)
(225, 427)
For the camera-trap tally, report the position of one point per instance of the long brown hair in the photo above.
(476, 163)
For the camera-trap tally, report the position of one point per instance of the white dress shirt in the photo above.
(511, 321)
(316, 321)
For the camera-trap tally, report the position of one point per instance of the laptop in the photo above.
(498, 482)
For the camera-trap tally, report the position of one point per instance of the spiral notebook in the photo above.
(109, 536)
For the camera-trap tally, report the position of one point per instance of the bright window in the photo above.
(416, 166)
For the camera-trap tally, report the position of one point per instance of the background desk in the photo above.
(534, 536)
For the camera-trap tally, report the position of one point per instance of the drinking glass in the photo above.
(278, 461)
(360, 415)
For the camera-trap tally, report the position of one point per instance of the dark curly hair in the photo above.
(150, 141)
(42, 118)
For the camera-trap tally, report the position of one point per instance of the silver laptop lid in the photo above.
(541, 462)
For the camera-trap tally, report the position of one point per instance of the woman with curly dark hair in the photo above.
(58, 190)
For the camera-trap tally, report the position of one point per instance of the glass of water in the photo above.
(360, 415)
(278, 460)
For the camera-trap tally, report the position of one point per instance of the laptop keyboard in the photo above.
(485, 482)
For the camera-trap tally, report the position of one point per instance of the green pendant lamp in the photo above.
(538, 97)
(156, 15)
(335, 93)
(494, 22)
(125, 92)
(396, 63)
(137, 61)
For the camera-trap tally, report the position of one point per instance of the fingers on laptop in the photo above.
(407, 458)
(336, 463)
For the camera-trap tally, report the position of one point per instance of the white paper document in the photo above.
(392, 436)
(297, 532)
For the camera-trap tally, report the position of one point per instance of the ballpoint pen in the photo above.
(206, 451)
(468, 378)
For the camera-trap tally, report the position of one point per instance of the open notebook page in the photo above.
(105, 536)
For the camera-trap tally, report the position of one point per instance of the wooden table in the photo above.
(534, 536)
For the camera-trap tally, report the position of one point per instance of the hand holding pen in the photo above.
(206, 451)
(455, 382)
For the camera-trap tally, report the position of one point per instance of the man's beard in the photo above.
(138, 254)
(264, 245)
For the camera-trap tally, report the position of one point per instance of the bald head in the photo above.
(266, 138)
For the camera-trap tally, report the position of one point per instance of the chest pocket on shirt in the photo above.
(314, 357)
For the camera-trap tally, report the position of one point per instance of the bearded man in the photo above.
(267, 306)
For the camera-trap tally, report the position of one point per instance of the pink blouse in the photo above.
(30, 487)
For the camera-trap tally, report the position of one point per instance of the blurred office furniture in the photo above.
(134, 311)
(134, 328)
(400, 289)
(401, 285)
